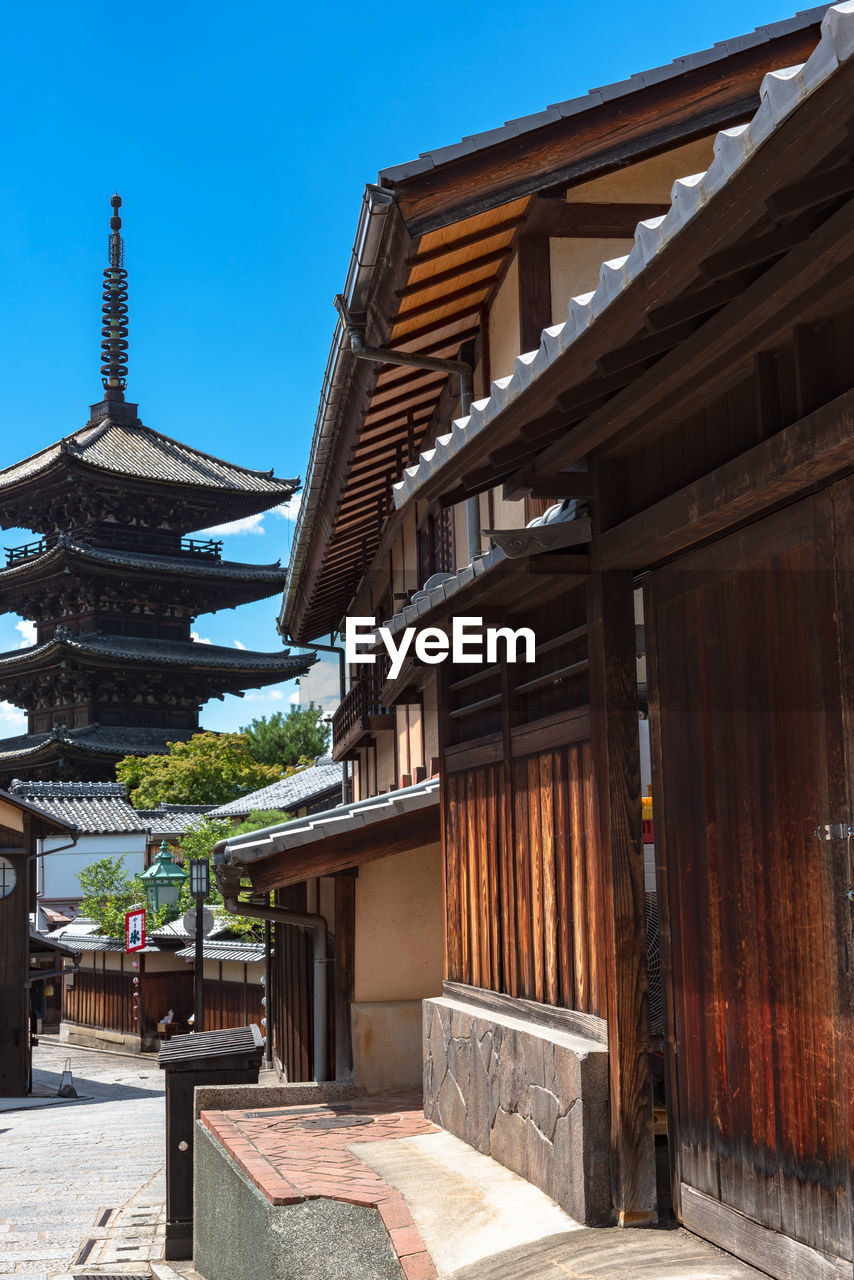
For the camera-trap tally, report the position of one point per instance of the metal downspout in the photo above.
(228, 877)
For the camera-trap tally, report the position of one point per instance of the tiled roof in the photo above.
(517, 128)
(173, 820)
(124, 448)
(781, 93)
(80, 935)
(94, 808)
(185, 653)
(100, 739)
(332, 822)
(244, 952)
(288, 793)
(181, 566)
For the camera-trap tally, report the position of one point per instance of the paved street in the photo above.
(81, 1182)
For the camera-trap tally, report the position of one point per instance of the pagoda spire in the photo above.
(114, 329)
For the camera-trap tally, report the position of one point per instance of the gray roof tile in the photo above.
(94, 808)
(170, 652)
(293, 792)
(124, 448)
(182, 566)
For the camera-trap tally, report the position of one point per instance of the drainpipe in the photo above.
(228, 877)
(383, 355)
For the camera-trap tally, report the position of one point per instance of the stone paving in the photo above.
(81, 1182)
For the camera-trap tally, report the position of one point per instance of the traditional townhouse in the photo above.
(678, 419)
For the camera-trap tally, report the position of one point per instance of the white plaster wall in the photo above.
(504, 325)
(59, 871)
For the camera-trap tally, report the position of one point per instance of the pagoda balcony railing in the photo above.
(150, 540)
(361, 714)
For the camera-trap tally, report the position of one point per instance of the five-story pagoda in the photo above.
(114, 583)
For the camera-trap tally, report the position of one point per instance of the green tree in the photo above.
(289, 740)
(199, 842)
(108, 892)
(210, 768)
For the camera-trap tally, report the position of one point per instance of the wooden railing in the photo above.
(361, 712)
(126, 539)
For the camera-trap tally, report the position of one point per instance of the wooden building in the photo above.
(679, 427)
(22, 825)
(113, 583)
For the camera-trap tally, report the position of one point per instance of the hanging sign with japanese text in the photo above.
(135, 929)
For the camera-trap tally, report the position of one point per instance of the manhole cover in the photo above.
(336, 1122)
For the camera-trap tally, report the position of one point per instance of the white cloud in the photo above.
(238, 644)
(263, 695)
(28, 631)
(289, 510)
(320, 685)
(194, 635)
(12, 716)
(249, 524)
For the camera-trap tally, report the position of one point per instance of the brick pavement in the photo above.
(84, 1171)
(293, 1157)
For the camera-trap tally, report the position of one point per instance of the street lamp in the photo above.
(163, 880)
(200, 883)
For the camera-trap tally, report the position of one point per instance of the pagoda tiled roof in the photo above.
(147, 651)
(97, 739)
(183, 566)
(131, 449)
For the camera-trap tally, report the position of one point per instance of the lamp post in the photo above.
(163, 880)
(200, 874)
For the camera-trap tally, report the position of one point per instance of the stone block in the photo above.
(595, 1085)
(544, 1110)
(451, 1107)
(533, 1047)
(460, 1023)
(509, 1142)
(541, 1158)
(512, 1079)
(477, 1093)
(567, 1077)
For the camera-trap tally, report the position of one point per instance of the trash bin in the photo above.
(232, 1056)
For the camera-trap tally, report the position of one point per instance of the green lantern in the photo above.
(163, 880)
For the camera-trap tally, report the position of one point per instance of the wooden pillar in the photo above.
(616, 755)
(15, 843)
(345, 955)
(535, 289)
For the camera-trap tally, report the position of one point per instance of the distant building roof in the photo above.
(81, 935)
(171, 821)
(94, 808)
(288, 793)
(244, 952)
(97, 739)
(145, 650)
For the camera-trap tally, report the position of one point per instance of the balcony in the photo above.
(152, 541)
(361, 715)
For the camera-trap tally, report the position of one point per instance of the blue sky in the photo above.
(240, 138)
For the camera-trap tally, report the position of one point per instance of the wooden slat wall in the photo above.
(523, 889)
(292, 988)
(224, 1004)
(98, 999)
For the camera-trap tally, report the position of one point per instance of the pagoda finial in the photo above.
(114, 328)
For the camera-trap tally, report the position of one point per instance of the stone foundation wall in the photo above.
(533, 1097)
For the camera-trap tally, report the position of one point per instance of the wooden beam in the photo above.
(611, 221)
(535, 290)
(814, 191)
(699, 301)
(454, 273)
(776, 470)
(622, 933)
(470, 292)
(757, 249)
(560, 563)
(638, 352)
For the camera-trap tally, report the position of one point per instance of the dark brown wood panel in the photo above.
(751, 758)
(522, 899)
(231, 1004)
